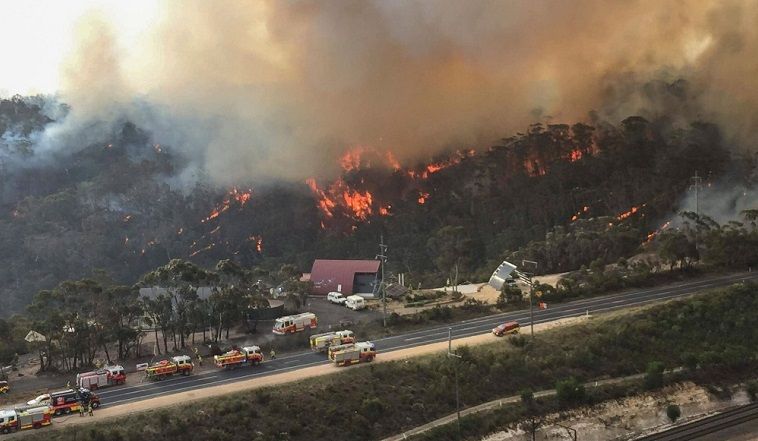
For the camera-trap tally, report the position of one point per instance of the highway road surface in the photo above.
(136, 390)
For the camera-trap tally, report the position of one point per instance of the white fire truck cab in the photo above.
(295, 323)
(100, 378)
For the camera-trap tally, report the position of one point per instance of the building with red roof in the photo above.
(345, 276)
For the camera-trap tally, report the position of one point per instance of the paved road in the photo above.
(712, 425)
(135, 391)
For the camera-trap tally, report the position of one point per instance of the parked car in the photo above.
(336, 297)
(41, 399)
(506, 328)
(356, 303)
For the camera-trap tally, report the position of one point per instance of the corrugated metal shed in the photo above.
(327, 275)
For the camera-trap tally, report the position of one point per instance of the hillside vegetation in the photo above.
(713, 335)
(123, 204)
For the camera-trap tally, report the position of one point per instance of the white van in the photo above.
(355, 302)
(336, 297)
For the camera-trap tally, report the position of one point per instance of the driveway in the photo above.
(329, 314)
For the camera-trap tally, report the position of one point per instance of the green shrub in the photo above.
(518, 341)
(654, 375)
(570, 392)
(752, 390)
(673, 412)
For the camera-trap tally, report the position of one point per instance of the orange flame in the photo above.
(434, 167)
(576, 216)
(202, 249)
(422, 197)
(652, 235)
(385, 211)
(629, 213)
(258, 242)
(351, 159)
(325, 204)
(359, 202)
(575, 155)
(392, 161)
(533, 167)
(242, 198)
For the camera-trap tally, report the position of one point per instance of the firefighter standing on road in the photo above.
(89, 408)
(272, 354)
(81, 410)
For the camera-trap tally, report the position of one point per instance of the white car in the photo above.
(42, 399)
(336, 297)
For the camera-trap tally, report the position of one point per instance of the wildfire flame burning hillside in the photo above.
(234, 195)
(628, 214)
(359, 194)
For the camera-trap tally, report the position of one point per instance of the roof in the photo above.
(326, 275)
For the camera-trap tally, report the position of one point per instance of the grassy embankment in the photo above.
(716, 331)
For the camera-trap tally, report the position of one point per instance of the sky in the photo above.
(278, 89)
(37, 36)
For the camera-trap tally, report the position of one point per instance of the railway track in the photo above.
(705, 426)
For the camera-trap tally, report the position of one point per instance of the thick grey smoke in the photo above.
(276, 89)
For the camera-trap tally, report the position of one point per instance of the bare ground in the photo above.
(629, 418)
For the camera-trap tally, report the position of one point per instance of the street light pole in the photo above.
(383, 259)
(450, 353)
(531, 293)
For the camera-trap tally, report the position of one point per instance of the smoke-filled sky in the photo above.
(264, 89)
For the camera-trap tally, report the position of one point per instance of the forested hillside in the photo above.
(123, 204)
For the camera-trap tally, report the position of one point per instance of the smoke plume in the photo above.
(275, 89)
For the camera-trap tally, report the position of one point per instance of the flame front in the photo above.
(422, 197)
(241, 197)
(258, 241)
(627, 214)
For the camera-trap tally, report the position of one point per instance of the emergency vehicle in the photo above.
(336, 348)
(66, 401)
(246, 356)
(25, 417)
(322, 342)
(101, 378)
(295, 323)
(362, 351)
(181, 364)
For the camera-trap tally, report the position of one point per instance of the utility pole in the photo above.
(697, 182)
(382, 256)
(450, 353)
(527, 279)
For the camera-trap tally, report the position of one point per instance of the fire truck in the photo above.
(336, 348)
(322, 342)
(101, 378)
(295, 323)
(25, 417)
(66, 401)
(246, 356)
(181, 364)
(362, 351)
